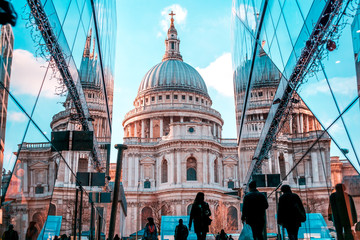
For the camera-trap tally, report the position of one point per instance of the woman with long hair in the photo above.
(200, 214)
(150, 232)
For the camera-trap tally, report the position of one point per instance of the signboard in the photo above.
(51, 228)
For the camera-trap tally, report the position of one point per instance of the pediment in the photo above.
(230, 160)
(147, 160)
(39, 165)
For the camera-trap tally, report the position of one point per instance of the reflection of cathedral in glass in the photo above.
(6, 53)
(296, 134)
(175, 147)
(265, 54)
(41, 184)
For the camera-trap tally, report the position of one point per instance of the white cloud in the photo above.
(246, 14)
(339, 85)
(27, 74)
(219, 75)
(159, 35)
(16, 116)
(180, 17)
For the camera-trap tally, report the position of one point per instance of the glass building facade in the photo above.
(296, 96)
(355, 32)
(6, 46)
(61, 94)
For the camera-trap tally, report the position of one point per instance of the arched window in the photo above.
(164, 171)
(147, 184)
(191, 169)
(188, 210)
(52, 209)
(165, 210)
(232, 218)
(230, 184)
(282, 166)
(83, 165)
(145, 213)
(216, 175)
(39, 189)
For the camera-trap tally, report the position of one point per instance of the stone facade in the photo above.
(175, 147)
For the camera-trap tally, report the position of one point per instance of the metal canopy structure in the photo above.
(74, 88)
(320, 36)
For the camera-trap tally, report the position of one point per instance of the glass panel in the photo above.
(71, 23)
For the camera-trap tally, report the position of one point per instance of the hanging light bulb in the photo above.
(331, 45)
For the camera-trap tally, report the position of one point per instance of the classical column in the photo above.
(219, 131)
(289, 165)
(178, 168)
(214, 129)
(298, 123)
(130, 175)
(142, 128)
(301, 123)
(151, 128)
(171, 167)
(125, 168)
(290, 125)
(307, 123)
(161, 127)
(171, 119)
(25, 188)
(322, 166)
(136, 169)
(158, 170)
(135, 129)
(181, 119)
(212, 170)
(205, 166)
(315, 167)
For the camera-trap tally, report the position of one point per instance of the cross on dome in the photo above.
(172, 18)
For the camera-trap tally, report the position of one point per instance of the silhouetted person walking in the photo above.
(150, 232)
(291, 212)
(230, 237)
(200, 213)
(253, 211)
(31, 232)
(217, 237)
(181, 231)
(223, 235)
(10, 234)
(342, 212)
(116, 237)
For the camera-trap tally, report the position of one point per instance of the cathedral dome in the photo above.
(173, 74)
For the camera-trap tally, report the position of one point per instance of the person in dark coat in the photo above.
(291, 212)
(253, 211)
(200, 213)
(31, 232)
(342, 212)
(10, 234)
(223, 235)
(181, 231)
(150, 232)
(116, 237)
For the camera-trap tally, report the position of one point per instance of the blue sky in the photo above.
(204, 29)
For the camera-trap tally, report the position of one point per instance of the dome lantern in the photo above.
(172, 43)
